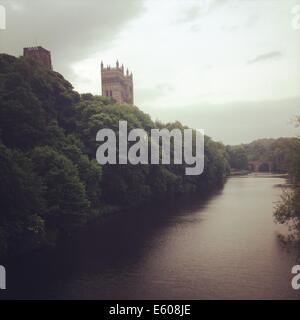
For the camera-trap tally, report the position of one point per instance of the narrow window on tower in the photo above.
(110, 93)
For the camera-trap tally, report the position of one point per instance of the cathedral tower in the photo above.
(116, 83)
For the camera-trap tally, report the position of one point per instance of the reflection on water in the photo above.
(222, 248)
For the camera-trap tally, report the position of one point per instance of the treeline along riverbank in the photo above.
(50, 183)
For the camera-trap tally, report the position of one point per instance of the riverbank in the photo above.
(239, 172)
(223, 247)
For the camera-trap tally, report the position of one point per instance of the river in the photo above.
(225, 247)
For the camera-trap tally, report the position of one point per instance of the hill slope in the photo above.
(50, 182)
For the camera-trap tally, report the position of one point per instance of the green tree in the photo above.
(50, 181)
(22, 212)
(237, 157)
(288, 210)
(67, 203)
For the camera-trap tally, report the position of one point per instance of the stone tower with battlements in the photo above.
(116, 83)
(39, 54)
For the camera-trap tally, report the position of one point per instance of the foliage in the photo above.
(50, 182)
(280, 152)
(238, 158)
(288, 210)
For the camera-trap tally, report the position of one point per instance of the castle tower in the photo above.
(39, 54)
(116, 84)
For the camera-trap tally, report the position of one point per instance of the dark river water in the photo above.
(226, 247)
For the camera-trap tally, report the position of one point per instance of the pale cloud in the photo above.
(185, 55)
(72, 29)
(266, 56)
(238, 122)
(197, 9)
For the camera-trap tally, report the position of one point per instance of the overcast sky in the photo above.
(231, 67)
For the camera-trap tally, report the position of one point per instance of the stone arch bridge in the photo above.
(260, 166)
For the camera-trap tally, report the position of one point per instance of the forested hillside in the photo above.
(280, 152)
(50, 182)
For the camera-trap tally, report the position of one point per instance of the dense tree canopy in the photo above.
(288, 210)
(238, 158)
(279, 152)
(50, 182)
